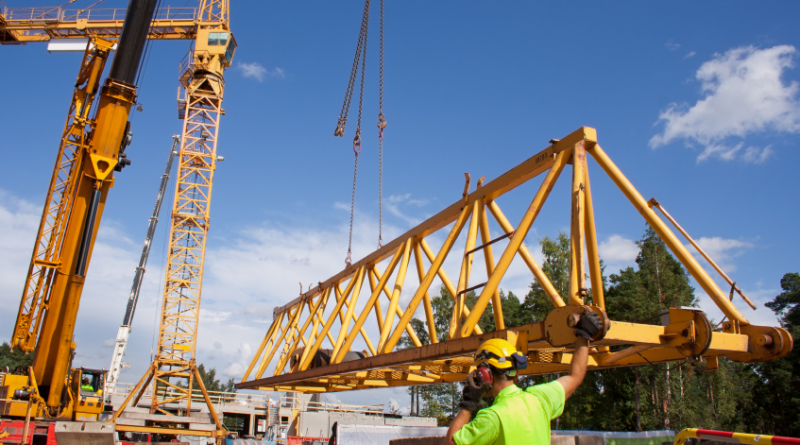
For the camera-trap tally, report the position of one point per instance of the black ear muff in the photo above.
(519, 360)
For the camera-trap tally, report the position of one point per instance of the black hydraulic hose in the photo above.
(86, 236)
(131, 42)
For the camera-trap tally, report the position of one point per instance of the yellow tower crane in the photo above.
(45, 322)
(173, 373)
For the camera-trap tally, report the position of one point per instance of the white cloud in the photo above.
(618, 250)
(397, 407)
(721, 250)
(672, 46)
(394, 203)
(240, 362)
(109, 343)
(690, 54)
(744, 94)
(755, 155)
(257, 71)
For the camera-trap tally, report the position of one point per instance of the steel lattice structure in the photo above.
(42, 24)
(46, 258)
(174, 366)
(295, 363)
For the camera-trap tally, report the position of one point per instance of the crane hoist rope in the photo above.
(381, 126)
(360, 58)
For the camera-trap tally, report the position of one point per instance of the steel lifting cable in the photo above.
(381, 126)
(361, 58)
(361, 54)
(348, 94)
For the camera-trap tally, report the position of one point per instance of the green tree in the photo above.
(777, 392)
(13, 359)
(642, 398)
(556, 267)
(211, 382)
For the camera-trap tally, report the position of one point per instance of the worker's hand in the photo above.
(472, 393)
(589, 324)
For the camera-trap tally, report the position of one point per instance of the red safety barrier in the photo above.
(738, 438)
(299, 440)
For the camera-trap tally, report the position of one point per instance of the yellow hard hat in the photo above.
(501, 354)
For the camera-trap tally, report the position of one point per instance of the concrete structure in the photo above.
(291, 415)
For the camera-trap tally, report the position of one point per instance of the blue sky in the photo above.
(697, 103)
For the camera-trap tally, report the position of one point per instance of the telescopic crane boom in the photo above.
(125, 329)
(92, 149)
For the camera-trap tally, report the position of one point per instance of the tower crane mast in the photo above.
(125, 329)
(200, 107)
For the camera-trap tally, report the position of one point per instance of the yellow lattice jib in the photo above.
(290, 358)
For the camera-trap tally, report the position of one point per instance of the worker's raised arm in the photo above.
(586, 328)
(577, 368)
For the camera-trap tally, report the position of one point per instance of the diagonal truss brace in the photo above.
(685, 333)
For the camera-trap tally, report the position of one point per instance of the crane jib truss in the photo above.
(291, 354)
(42, 24)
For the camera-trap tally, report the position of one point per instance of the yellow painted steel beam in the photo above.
(429, 316)
(683, 255)
(577, 275)
(526, 256)
(687, 335)
(654, 203)
(43, 24)
(516, 240)
(446, 281)
(488, 256)
(409, 330)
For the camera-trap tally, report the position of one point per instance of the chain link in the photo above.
(348, 95)
(381, 126)
(361, 53)
(349, 260)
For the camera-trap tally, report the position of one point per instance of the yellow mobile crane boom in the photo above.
(92, 149)
(40, 316)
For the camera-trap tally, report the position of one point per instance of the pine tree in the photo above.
(13, 359)
(556, 267)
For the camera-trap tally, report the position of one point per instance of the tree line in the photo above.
(759, 398)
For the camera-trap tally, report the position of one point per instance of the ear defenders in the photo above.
(484, 374)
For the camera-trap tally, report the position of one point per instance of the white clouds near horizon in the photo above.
(744, 93)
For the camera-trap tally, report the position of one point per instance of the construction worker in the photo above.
(517, 417)
(86, 385)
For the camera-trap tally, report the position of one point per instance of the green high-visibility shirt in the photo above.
(87, 387)
(516, 417)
